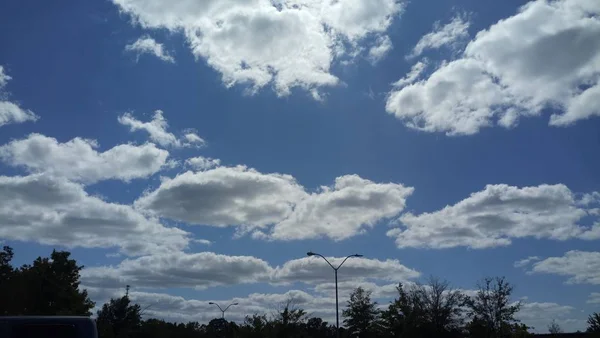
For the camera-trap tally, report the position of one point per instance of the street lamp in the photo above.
(337, 315)
(222, 311)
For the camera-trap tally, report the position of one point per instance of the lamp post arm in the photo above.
(342, 263)
(326, 261)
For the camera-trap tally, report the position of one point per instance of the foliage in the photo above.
(360, 317)
(594, 323)
(119, 318)
(51, 286)
(554, 328)
(491, 310)
(419, 311)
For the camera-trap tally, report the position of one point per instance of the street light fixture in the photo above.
(335, 269)
(222, 311)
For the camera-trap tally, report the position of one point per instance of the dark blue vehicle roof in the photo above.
(47, 327)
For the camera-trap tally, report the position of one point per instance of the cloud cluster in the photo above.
(55, 211)
(147, 45)
(78, 160)
(539, 314)
(244, 197)
(447, 35)
(320, 304)
(594, 298)
(494, 216)
(11, 112)
(202, 163)
(499, 77)
(582, 267)
(288, 43)
(157, 130)
(207, 269)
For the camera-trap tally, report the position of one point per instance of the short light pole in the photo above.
(222, 311)
(337, 314)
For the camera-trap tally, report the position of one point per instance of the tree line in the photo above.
(50, 286)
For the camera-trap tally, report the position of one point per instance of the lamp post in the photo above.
(222, 311)
(337, 315)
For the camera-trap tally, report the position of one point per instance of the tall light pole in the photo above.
(222, 311)
(337, 314)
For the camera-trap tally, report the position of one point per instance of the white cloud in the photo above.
(594, 298)
(202, 163)
(54, 211)
(320, 304)
(415, 72)
(224, 196)
(494, 216)
(286, 43)
(203, 241)
(526, 261)
(78, 159)
(157, 129)
(380, 50)
(179, 270)
(314, 270)
(193, 138)
(582, 267)
(351, 206)
(385, 291)
(499, 77)
(179, 309)
(540, 314)
(249, 199)
(447, 35)
(4, 78)
(11, 112)
(208, 269)
(147, 45)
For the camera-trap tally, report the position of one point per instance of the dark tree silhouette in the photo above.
(425, 310)
(50, 286)
(6, 278)
(491, 309)
(594, 323)
(361, 315)
(119, 318)
(554, 328)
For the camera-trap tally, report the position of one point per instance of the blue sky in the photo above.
(445, 138)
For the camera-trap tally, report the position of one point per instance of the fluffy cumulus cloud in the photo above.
(526, 261)
(315, 270)
(252, 200)
(157, 130)
(380, 49)
(286, 43)
(447, 35)
(54, 211)
(79, 159)
(351, 206)
(494, 216)
(224, 196)
(179, 309)
(207, 269)
(499, 78)
(582, 267)
(202, 163)
(539, 314)
(147, 45)
(11, 112)
(178, 269)
(594, 298)
(320, 303)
